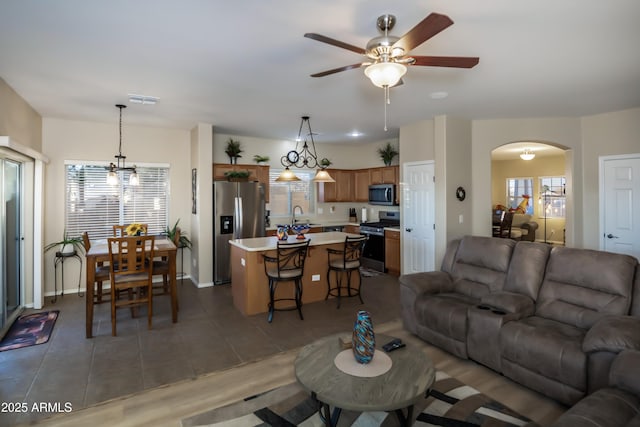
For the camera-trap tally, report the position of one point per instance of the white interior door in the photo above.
(620, 204)
(418, 217)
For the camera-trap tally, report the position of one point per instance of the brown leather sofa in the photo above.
(550, 318)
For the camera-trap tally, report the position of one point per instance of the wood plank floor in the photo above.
(168, 405)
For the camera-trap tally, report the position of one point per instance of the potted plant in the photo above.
(233, 150)
(183, 240)
(260, 159)
(237, 175)
(387, 153)
(325, 163)
(67, 245)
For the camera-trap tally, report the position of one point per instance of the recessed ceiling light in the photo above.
(355, 134)
(143, 99)
(438, 95)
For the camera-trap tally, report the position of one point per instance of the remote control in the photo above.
(393, 345)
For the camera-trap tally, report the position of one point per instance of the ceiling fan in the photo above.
(388, 56)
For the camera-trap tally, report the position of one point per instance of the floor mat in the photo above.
(29, 329)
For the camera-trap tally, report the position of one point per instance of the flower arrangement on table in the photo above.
(135, 229)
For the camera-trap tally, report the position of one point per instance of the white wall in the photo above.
(202, 222)
(90, 141)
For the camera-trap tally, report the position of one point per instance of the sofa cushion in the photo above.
(445, 313)
(625, 374)
(581, 286)
(526, 269)
(635, 301)
(548, 348)
(481, 265)
(519, 219)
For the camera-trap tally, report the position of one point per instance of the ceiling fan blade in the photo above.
(427, 28)
(334, 42)
(337, 70)
(446, 61)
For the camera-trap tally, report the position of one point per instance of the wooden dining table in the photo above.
(99, 252)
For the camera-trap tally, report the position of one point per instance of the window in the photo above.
(516, 188)
(552, 197)
(283, 196)
(93, 206)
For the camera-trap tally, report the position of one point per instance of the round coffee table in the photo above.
(411, 375)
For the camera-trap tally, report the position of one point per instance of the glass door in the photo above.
(10, 240)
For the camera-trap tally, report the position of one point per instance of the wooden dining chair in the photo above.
(161, 268)
(102, 274)
(121, 230)
(131, 268)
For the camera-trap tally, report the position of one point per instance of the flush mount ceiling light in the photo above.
(527, 154)
(304, 158)
(112, 176)
(143, 99)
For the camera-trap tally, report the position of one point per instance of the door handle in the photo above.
(408, 230)
(611, 236)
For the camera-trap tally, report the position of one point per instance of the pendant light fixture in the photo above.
(112, 176)
(304, 157)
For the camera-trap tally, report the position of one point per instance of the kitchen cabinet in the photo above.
(354, 229)
(392, 252)
(384, 175)
(362, 180)
(258, 173)
(339, 191)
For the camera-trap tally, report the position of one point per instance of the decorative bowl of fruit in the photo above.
(300, 230)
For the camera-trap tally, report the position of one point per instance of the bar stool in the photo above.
(344, 263)
(286, 266)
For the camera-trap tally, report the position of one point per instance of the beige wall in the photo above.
(489, 134)
(18, 120)
(536, 168)
(90, 141)
(344, 156)
(604, 135)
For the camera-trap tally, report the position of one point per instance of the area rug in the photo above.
(30, 329)
(450, 404)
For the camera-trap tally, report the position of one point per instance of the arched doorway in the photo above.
(541, 177)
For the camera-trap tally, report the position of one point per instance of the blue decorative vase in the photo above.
(282, 232)
(363, 340)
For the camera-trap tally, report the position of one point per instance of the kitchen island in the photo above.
(249, 284)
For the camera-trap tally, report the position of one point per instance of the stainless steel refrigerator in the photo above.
(239, 213)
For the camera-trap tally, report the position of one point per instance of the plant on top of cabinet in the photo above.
(233, 150)
(237, 175)
(387, 153)
(260, 159)
(325, 163)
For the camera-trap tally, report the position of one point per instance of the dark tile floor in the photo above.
(210, 335)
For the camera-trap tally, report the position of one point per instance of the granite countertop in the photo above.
(258, 244)
(319, 223)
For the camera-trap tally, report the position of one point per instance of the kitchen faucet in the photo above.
(293, 213)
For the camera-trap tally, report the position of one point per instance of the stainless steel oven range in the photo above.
(373, 254)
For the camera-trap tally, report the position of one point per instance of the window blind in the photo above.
(284, 195)
(93, 206)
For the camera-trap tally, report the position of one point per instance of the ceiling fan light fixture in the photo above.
(287, 175)
(527, 154)
(385, 74)
(323, 176)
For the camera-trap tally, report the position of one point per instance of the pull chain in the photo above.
(387, 101)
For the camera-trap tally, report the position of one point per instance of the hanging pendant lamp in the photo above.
(112, 175)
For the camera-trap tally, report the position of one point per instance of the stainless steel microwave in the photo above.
(382, 194)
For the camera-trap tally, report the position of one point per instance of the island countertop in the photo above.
(258, 244)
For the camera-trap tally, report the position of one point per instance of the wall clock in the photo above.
(293, 156)
(460, 193)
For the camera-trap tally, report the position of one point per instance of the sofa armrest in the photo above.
(625, 374)
(431, 282)
(510, 302)
(614, 334)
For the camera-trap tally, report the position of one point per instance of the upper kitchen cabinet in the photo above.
(385, 175)
(362, 180)
(339, 191)
(256, 173)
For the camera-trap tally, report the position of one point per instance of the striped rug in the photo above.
(450, 404)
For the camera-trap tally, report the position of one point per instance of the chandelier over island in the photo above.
(304, 156)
